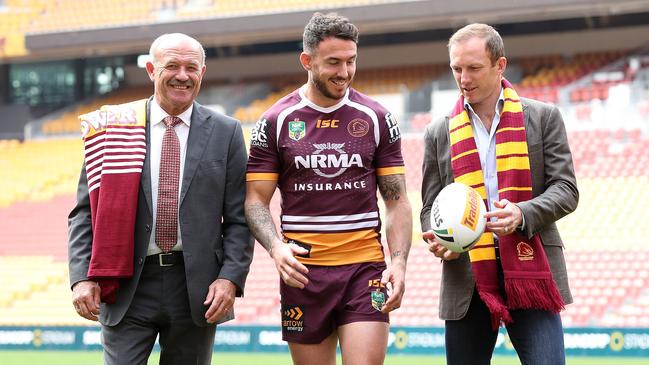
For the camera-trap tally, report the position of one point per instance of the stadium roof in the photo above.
(428, 18)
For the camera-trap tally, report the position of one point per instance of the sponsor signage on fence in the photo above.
(402, 340)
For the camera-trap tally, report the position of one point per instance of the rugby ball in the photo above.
(457, 217)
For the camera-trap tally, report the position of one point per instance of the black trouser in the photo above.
(160, 307)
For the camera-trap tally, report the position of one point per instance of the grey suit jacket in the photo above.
(553, 185)
(216, 240)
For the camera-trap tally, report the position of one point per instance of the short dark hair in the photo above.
(493, 42)
(322, 26)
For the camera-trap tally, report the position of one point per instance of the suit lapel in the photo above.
(145, 179)
(526, 115)
(199, 133)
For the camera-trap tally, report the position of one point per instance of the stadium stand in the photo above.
(555, 70)
(68, 122)
(605, 238)
(374, 82)
(605, 264)
(371, 81)
(42, 16)
(208, 8)
(38, 170)
(543, 76)
(250, 113)
(609, 289)
(65, 15)
(38, 280)
(15, 17)
(33, 269)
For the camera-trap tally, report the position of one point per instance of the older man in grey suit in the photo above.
(185, 253)
(478, 61)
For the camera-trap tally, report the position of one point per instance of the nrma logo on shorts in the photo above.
(319, 161)
(292, 319)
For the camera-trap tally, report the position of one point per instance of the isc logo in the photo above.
(376, 283)
(327, 123)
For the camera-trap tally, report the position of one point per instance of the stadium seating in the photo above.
(67, 123)
(543, 76)
(555, 70)
(604, 238)
(39, 16)
(66, 15)
(224, 8)
(15, 18)
(38, 170)
(252, 112)
(371, 82)
(38, 292)
(606, 262)
(608, 272)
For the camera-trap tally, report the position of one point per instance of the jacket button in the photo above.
(148, 228)
(140, 261)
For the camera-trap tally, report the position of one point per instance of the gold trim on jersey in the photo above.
(395, 170)
(343, 248)
(257, 176)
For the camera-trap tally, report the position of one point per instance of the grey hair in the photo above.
(173, 36)
(493, 42)
(322, 26)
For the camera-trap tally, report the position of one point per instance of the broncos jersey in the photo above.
(325, 162)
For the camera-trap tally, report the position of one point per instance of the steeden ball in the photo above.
(457, 217)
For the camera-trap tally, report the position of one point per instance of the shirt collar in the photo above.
(158, 114)
(499, 104)
(312, 104)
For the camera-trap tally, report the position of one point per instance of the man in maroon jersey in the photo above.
(327, 147)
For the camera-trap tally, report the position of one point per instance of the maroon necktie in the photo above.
(166, 231)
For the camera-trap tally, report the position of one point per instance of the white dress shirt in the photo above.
(156, 133)
(486, 143)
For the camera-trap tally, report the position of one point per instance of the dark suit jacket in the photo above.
(216, 240)
(553, 185)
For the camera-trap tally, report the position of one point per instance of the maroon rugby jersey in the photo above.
(325, 161)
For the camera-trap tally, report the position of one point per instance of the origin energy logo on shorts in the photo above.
(328, 160)
(292, 320)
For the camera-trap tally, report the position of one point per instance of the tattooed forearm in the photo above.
(391, 186)
(261, 224)
(398, 222)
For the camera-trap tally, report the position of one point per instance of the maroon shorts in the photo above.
(335, 295)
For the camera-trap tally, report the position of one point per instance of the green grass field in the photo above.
(94, 357)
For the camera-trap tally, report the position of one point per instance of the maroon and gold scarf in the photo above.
(528, 280)
(115, 148)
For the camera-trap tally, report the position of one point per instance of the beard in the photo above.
(321, 86)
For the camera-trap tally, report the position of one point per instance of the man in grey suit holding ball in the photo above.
(514, 152)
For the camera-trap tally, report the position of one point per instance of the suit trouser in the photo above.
(160, 307)
(537, 335)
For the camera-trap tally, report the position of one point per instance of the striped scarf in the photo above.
(528, 280)
(115, 148)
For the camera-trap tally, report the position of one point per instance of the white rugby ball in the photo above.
(457, 217)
